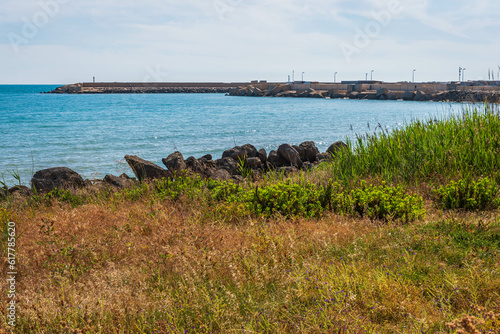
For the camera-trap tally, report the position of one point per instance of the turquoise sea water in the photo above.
(92, 133)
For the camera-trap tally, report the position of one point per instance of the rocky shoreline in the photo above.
(475, 92)
(287, 90)
(236, 164)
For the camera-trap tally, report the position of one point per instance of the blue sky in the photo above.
(67, 41)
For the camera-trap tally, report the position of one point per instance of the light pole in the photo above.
(413, 76)
(371, 78)
(303, 77)
(335, 77)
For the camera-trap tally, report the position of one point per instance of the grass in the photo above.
(373, 248)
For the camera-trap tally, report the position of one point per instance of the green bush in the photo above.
(469, 195)
(64, 196)
(288, 199)
(224, 190)
(384, 203)
(190, 186)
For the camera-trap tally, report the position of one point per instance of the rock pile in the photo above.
(286, 90)
(235, 164)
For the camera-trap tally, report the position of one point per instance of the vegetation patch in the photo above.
(469, 195)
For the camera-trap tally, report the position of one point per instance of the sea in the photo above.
(91, 134)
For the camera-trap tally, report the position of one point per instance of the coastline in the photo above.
(473, 91)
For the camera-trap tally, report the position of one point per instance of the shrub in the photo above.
(191, 186)
(469, 195)
(384, 203)
(64, 196)
(288, 199)
(224, 190)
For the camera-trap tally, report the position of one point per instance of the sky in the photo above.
(69, 41)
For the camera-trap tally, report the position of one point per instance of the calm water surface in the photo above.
(92, 133)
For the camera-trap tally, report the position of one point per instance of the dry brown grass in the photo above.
(164, 266)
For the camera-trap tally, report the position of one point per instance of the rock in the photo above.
(175, 162)
(310, 151)
(391, 96)
(409, 96)
(287, 170)
(302, 153)
(125, 177)
(273, 158)
(353, 95)
(335, 147)
(382, 91)
(262, 155)
(238, 178)
(195, 166)
(3, 192)
(228, 164)
(207, 157)
(288, 156)
(20, 191)
(253, 163)
(58, 177)
(321, 157)
(307, 165)
(221, 175)
(144, 169)
(371, 95)
(118, 182)
(241, 152)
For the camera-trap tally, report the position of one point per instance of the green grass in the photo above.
(460, 145)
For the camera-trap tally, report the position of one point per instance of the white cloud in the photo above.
(117, 40)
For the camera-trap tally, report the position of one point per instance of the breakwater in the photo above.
(372, 90)
(472, 91)
(148, 88)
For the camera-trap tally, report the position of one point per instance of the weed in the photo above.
(469, 195)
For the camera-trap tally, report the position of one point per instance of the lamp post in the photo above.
(413, 76)
(335, 77)
(371, 77)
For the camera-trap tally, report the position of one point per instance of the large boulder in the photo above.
(175, 162)
(228, 164)
(262, 155)
(310, 151)
(122, 181)
(145, 170)
(20, 191)
(221, 175)
(302, 153)
(288, 156)
(272, 159)
(253, 163)
(57, 177)
(409, 96)
(241, 152)
(335, 147)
